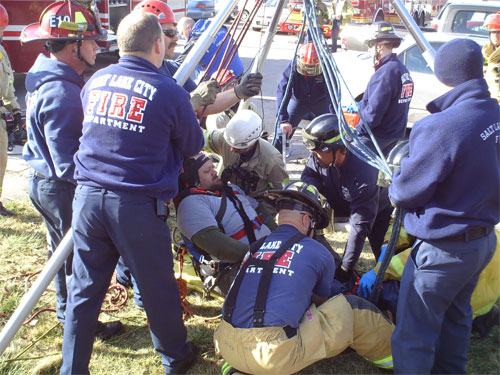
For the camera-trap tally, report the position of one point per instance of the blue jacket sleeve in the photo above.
(187, 134)
(280, 92)
(416, 182)
(311, 175)
(376, 99)
(62, 118)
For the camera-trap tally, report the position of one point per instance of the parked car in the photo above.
(357, 68)
(219, 4)
(464, 17)
(265, 14)
(198, 9)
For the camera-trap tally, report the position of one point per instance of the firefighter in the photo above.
(280, 315)
(491, 53)
(308, 92)
(386, 100)
(369, 207)
(451, 205)
(127, 168)
(341, 12)
(54, 125)
(207, 93)
(219, 219)
(248, 161)
(8, 102)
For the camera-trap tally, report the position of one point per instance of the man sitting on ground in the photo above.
(217, 218)
(279, 315)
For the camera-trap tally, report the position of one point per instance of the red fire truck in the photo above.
(374, 10)
(25, 12)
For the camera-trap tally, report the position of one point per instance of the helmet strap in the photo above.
(78, 45)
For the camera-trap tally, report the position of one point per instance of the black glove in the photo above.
(18, 121)
(345, 276)
(249, 86)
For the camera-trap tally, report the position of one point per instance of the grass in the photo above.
(36, 349)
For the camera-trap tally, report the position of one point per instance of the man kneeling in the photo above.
(285, 317)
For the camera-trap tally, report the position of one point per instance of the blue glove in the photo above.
(382, 253)
(366, 284)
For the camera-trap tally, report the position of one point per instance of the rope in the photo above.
(116, 296)
(182, 284)
(333, 79)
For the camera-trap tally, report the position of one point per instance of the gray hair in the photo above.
(137, 33)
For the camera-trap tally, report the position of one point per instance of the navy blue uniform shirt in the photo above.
(327, 181)
(451, 179)
(138, 126)
(386, 100)
(304, 89)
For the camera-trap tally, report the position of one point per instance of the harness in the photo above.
(227, 193)
(267, 267)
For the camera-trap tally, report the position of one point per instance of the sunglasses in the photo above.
(170, 33)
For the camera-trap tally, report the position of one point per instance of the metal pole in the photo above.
(261, 57)
(427, 51)
(40, 285)
(202, 45)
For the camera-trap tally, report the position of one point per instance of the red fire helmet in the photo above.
(159, 9)
(64, 20)
(4, 17)
(492, 22)
(308, 61)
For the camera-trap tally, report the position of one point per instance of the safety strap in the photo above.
(247, 223)
(222, 210)
(267, 266)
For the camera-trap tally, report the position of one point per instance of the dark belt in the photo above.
(471, 234)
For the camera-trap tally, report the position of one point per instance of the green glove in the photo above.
(204, 94)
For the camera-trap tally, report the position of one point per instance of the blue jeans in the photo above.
(434, 311)
(53, 200)
(106, 225)
(125, 278)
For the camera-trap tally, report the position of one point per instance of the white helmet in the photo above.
(244, 129)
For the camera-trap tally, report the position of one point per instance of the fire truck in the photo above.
(292, 18)
(376, 10)
(25, 12)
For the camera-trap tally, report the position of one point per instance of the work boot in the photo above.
(4, 211)
(189, 361)
(105, 331)
(482, 325)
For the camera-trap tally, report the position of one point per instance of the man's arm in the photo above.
(280, 92)
(374, 106)
(277, 177)
(416, 183)
(62, 119)
(216, 243)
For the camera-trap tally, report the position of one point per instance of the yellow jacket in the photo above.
(491, 69)
(487, 289)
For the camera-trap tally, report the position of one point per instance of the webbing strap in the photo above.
(222, 210)
(267, 266)
(247, 223)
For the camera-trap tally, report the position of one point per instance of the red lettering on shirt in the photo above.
(117, 108)
(284, 260)
(407, 90)
(94, 96)
(103, 104)
(137, 106)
